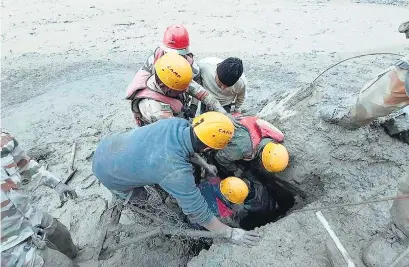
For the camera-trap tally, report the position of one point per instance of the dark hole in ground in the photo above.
(286, 195)
(283, 193)
(199, 245)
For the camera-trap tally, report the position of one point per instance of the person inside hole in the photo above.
(232, 198)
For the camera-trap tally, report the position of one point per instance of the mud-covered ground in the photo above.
(65, 67)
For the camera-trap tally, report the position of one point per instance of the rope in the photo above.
(363, 55)
(406, 196)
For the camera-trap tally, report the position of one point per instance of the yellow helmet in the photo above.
(274, 157)
(234, 189)
(214, 129)
(174, 71)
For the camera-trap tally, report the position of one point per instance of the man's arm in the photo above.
(197, 159)
(227, 157)
(180, 184)
(196, 72)
(14, 158)
(198, 92)
(241, 94)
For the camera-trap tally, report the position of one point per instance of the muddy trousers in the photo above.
(383, 95)
(56, 249)
(400, 207)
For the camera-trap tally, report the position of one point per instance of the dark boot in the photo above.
(59, 236)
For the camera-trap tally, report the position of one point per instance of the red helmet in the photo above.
(176, 39)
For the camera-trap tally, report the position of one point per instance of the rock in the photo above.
(398, 127)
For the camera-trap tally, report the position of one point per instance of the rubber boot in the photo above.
(340, 116)
(385, 248)
(59, 236)
(404, 28)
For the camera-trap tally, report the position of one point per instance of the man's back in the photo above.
(154, 154)
(143, 155)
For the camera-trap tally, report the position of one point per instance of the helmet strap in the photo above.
(252, 192)
(198, 145)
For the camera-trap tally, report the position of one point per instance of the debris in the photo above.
(71, 168)
(340, 247)
(90, 155)
(166, 231)
(74, 149)
(89, 183)
(108, 218)
(70, 176)
(147, 214)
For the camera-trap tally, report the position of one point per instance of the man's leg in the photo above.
(383, 249)
(381, 96)
(400, 207)
(59, 236)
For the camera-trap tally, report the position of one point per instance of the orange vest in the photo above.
(147, 93)
(259, 129)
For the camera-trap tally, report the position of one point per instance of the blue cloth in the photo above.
(154, 154)
(211, 191)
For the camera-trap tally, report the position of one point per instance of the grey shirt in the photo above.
(233, 94)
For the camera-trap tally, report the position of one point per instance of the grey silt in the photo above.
(383, 249)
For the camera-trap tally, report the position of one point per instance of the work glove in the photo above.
(241, 237)
(64, 191)
(191, 112)
(238, 172)
(212, 170)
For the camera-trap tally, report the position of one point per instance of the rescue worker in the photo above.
(225, 80)
(222, 195)
(159, 154)
(164, 93)
(386, 93)
(254, 140)
(29, 236)
(176, 40)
